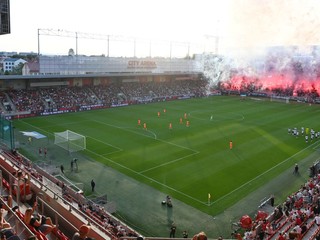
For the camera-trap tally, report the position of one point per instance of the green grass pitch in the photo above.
(191, 162)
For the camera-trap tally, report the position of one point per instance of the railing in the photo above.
(17, 224)
(45, 186)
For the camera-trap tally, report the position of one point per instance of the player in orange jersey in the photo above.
(230, 145)
(170, 125)
(139, 122)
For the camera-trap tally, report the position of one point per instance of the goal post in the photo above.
(70, 141)
(274, 98)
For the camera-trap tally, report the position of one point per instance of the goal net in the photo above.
(275, 98)
(70, 141)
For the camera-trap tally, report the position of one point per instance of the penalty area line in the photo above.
(155, 136)
(148, 178)
(170, 162)
(260, 175)
(127, 129)
(129, 169)
(118, 149)
(141, 174)
(316, 148)
(109, 153)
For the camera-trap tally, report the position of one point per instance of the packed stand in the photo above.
(297, 218)
(27, 100)
(39, 100)
(94, 213)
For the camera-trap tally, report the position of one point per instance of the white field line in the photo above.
(127, 129)
(111, 152)
(118, 149)
(115, 151)
(35, 127)
(216, 116)
(181, 193)
(135, 132)
(243, 185)
(170, 162)
(150, 179)
(49, 133)
(316, 147)
(164, 164)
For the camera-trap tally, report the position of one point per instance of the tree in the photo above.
(17, 70)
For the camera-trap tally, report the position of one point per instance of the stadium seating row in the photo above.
(100, 221)
(297, 218)
(73, 98)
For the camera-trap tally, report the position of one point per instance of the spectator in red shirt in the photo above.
(281, 236)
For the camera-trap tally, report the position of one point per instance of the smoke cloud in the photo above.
(269, 45)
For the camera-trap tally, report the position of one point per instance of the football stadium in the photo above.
(205, 146)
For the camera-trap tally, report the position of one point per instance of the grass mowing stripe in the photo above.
(148, 178)
(161, 165)
(243, 185)
(167, 163)
(126, 129)
(257, 128)
(118, 149)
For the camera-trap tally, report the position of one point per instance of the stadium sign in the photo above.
(141, 64)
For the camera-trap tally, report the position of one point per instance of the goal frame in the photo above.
(274, 98)
(70, 141)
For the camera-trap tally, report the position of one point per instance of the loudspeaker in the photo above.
(5, 17)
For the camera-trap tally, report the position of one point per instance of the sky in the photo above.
(159, 28)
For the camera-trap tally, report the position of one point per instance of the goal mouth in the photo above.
(275, 98)
(70, 141)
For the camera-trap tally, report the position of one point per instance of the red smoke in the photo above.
(285, 71)
(285, 84)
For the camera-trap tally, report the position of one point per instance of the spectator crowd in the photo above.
(39, 100)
